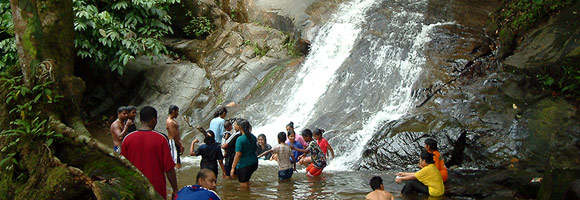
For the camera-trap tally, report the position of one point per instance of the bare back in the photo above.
(380, 195)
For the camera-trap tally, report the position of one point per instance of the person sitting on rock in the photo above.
(427, 180)
(431, 147)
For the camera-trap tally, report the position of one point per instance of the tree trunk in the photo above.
(72, 166)
(44, 39)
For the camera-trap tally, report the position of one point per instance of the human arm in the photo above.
(221, 162)
(172, 181)
(331, 151)
(235, 163)
(121, 130)
(173, 131)
(299, 150)
(404, 177)
(191, 152)
(295, 161)
(264, 153)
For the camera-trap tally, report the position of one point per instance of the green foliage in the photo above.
(26, 111)
(113, 34)
(233, 14)
(198, 27)
(260, 51)
(290, 47)
(567, 83)
(8, 55)
(521, 15)
(108, 35)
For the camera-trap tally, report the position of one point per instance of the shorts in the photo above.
(313, 171)
(285, 174)
(245, 173)
(174, 151)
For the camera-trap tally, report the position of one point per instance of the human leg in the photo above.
(245, 173)
(415, 186)
(305, 161)
(285, 174)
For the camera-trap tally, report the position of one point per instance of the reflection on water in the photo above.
(265, 184)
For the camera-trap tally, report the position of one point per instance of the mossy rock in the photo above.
(507, 42)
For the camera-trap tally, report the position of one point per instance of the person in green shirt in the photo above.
(245, 161)
(427, 180)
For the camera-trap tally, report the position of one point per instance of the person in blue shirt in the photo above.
(293, 142)
(203, 189)
(217, 123)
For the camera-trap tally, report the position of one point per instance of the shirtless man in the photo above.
(378, 192)
(119, 129)
(174, 136)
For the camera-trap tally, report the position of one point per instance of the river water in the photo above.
(265, 185)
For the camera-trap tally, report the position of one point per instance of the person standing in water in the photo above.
(431, 147)
(119, 129)
(315, 157)
(245, 160)
(378, 192)
(230, 149)
(174, 137)
(131, 114)
(263, 147)
(148, 150)
(210, 152)
(217, 123)
(283, 151)
(292, 142)
(289, 127)
(322, 142)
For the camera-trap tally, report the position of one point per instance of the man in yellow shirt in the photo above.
(427, 180)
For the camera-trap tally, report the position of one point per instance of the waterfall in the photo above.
(359, 65)
(330, 48)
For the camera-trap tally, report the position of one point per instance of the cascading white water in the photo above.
(393, 62)
(328, 51)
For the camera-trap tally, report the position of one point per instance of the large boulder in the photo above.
(550, 43)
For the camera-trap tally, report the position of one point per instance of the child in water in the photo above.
(322, 142)
(431, 147)
(211, 153)
(292, 142)
(316, 159)
(283, 151)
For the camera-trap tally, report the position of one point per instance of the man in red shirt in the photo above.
(149, 151)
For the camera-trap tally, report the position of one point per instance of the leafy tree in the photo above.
(46, 143)
(112, 34)
(8, 55)
(108, 34)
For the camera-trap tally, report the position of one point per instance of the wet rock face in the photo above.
(509, 124)
(225, 68)
(551, 43)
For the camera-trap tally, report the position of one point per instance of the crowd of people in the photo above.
(156, 155)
